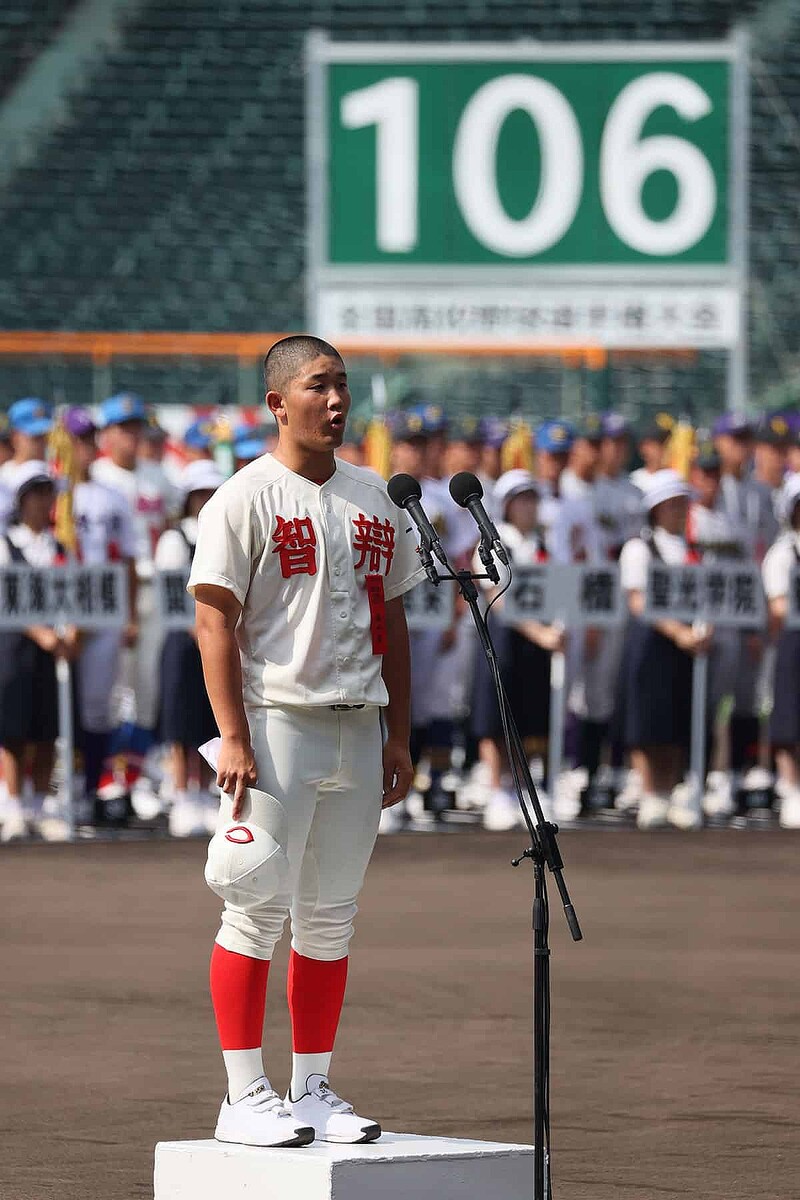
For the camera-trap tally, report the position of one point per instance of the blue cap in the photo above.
(735, 424)
(555, 436)
(774, 431)
(405, 425)
(434, 419)
(467, 430)
(249, 442)
(590, 428)
(30, 416)
(200, 434)
(125, 406)
(615, 425)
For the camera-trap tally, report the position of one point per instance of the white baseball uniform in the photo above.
(308, 564)
(153, 501)
(104, 525)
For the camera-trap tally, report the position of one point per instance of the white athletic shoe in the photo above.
(653, 811)
(685, 810)
(186, 817)
(502, 812)
(392, 819)
(718, 800)
(630, 795)
(333, 1119)
(260, 1118)
(15, 827)
(789, 817)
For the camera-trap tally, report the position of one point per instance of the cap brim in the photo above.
(36, 428)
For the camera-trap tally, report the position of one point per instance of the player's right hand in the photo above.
(236, 770)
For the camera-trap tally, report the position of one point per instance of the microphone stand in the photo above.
(543, 852)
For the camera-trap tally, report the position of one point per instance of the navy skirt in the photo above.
(784, 722)
(525, 669)
(186, 718)
(28, 691)
(654, 696)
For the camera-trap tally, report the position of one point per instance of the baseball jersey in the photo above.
(642, 479)
(6, 507)
(174, 549)
(309, 564)
(618, 511)
(713, 535)
(151, 497)
(104, 523)
(748, 505)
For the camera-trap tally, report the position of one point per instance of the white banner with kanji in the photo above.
(87, 597)
(721, 594)
(577, 594)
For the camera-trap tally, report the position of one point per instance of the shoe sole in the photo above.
(370, 1134)
(304, 1137)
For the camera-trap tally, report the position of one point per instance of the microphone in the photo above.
(406, 493)
(467, 491)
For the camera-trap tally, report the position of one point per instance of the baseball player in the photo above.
(105, 533)
(299, 569)
(652, 447)
(29, 421)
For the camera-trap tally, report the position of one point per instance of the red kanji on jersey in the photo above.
(374, 538)
(296, 546)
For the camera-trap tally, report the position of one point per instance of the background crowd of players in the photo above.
(560, 492)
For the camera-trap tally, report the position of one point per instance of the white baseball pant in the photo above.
(324, 767)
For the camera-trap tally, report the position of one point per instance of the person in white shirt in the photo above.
(523, 652)
(105, 533)
(185, 717)
(652, 447)
(29, 424)
(781, 563)
(153, 502)
(298, 574)
(656, 677)
(28, 690)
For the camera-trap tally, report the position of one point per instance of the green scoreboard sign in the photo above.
(527, 192)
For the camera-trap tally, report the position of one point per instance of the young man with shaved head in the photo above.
(299, 572)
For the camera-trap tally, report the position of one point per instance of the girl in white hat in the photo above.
(185, 717)
(655, 690)
(523, 652)
(784, 727)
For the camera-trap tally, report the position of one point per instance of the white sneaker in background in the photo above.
(718, 800)
(631, 794)
(186, 817)
(685, 807)
(260, 1118)
(392, 819)
(146, 802)
(653, 810)
(209, 804)
(476, 788)
(502, 812)
(569, 786)
(789, 816)
(15, 827)
(332, 1118)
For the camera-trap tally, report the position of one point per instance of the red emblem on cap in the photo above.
(240, 835)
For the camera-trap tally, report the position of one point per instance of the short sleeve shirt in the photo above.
(297, 556)
(780, 561)
(104, 523)
(636, 556)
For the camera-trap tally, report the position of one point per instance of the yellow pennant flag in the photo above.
(63, 458)
(517, 449)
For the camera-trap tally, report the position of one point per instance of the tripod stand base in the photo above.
(396, 1167)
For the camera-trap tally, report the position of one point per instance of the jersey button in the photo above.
(343, 615)
(337, 571)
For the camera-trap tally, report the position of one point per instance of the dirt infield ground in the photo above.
(675, 1040)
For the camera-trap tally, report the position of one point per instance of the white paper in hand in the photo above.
(210, 751)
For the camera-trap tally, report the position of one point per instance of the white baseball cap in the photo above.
(513, 483)
(29, 474)
(665, 485)
(246, 865)
(202, 475)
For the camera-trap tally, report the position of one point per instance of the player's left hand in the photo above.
(398, 773)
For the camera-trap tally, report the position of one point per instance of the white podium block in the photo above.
(400, 1166)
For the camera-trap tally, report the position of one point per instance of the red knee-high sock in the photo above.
(315, 991)
(239, 995)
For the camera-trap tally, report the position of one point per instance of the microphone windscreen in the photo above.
(465, 486)
(403, 488)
